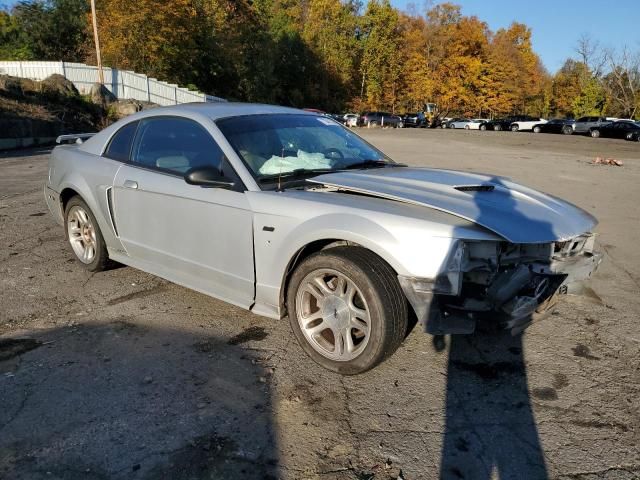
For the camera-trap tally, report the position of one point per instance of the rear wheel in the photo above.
(466, 127)
(537, 129)
(567, 130)
(84, 236)
(346, 309)
(497, 127)
(515, 128)
(483, 127)
(595, 133)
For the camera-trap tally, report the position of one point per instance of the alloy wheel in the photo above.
(333, 315)
(82, 234)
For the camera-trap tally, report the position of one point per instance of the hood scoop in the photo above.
(475, 188)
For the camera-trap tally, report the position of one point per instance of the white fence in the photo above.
(123, 84)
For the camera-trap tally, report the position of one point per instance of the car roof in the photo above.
(219, 110)
(195, 110)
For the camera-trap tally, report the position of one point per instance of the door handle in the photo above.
(130, 184)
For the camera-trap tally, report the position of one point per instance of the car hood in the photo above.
(517, 213)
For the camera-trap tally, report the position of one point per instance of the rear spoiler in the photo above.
(74, 138)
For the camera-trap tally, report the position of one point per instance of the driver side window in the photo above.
(175, 145)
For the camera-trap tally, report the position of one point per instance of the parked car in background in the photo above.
(458, 123)
(380, 119)
(619, 129)
(449, 122)
(351, 119)
(585, 124)
(634, 136)
(338, 117)
(525, 123)
(556, 125)
(414, 120)
(506, 122)
(469, 124)
(284, 212)
(497, 124)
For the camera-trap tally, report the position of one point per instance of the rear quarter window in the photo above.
(119, 146)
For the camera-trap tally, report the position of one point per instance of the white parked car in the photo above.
(527, 123)
(351, 119)
(469, 124)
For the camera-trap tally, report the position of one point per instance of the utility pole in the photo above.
(97, 41)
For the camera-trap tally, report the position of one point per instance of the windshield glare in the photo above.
(279, 143)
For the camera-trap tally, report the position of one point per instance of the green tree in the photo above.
(380, 65)
(51, 29)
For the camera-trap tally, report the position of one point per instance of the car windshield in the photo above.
(274, 145)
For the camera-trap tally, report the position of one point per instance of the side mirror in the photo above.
(207, 177)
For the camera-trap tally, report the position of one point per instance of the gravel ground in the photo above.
(122, 375)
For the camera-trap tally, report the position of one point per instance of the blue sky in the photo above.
(556, 24)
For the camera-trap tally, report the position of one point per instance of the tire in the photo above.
(497, 127)
(536, 130)
(595, 133)
(466, 127)
(514, 128)
(84, 236)
(373, 124)
(482, 127)
(375, 291)
(567, 130)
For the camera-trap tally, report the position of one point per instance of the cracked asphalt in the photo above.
(123, 375)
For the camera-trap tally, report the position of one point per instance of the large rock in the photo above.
(57, 84)
(100, 95)
(17, 86)
(126, 107)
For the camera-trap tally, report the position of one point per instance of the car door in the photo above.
(195, 236)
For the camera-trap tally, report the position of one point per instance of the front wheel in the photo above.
(346, 309)
(497, 128)
(84, 236)
(515, 128)
(567, 130)
(483, 127)
(595, 133)
(536, 130)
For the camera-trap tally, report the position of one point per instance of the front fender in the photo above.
(409, 251)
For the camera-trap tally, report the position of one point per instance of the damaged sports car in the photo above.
(285, 212)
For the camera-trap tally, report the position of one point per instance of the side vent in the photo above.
(110, 206)
(475, 188)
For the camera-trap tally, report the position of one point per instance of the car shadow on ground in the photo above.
(124, 400)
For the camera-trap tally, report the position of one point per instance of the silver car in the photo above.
(286, 212)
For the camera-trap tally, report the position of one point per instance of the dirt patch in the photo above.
(583, 351)
(255, 334)
(545, 393)
(134, 296)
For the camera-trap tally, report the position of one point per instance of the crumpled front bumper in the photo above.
(514, 299)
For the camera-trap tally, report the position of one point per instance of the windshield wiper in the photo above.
(293, 174)
(372, 164)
